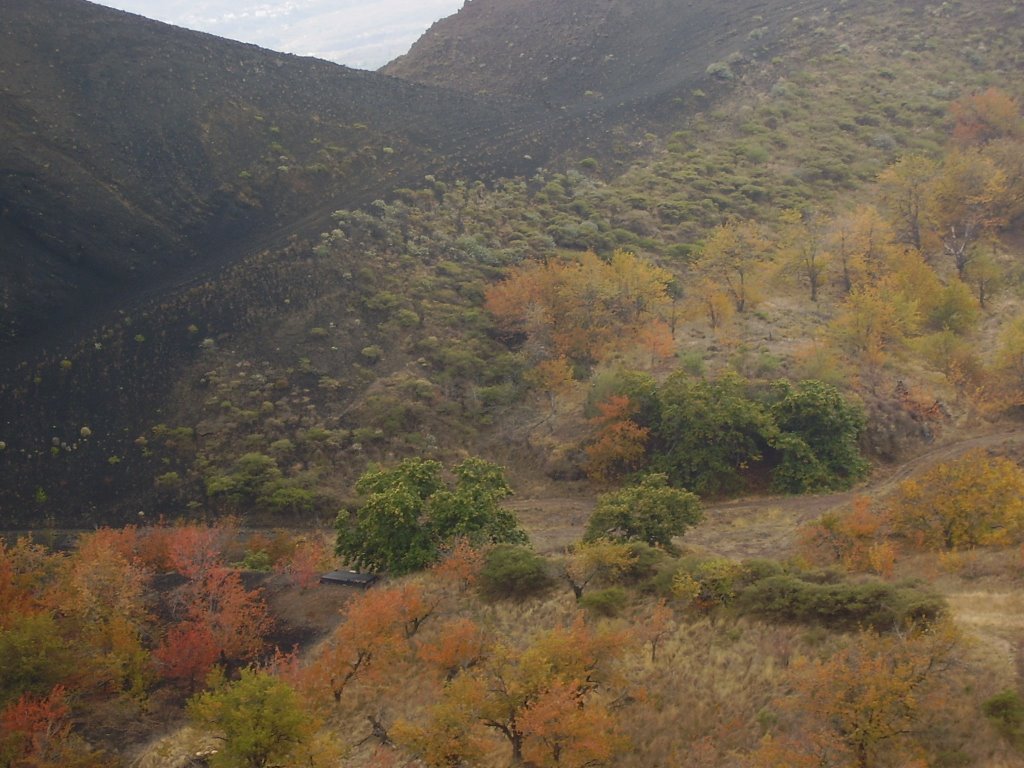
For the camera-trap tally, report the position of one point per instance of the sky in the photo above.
(360, 33)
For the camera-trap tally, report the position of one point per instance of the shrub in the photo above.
(840, 605)
(651, 512)
(710, 430)
(1006, 712)
(720, 70)
(644, 562)
(410, 514)
(605, 602)
(257, 560)
(512, 572)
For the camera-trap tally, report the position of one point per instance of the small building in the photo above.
(349, 578)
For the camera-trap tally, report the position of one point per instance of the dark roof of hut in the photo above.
(349, 578)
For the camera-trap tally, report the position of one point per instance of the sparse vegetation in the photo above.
(684, 292)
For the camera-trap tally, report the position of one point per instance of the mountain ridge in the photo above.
(173, 156)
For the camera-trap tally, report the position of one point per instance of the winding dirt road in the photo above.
(763, 526)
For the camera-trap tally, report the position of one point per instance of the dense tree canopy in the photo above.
(261, 720)
(410, 514)
(710, 430)
(818, 438)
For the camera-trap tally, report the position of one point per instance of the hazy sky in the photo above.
(359, 33)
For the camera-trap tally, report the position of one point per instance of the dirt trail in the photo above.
(987, 609)
(764, 526)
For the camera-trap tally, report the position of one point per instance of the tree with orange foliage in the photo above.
(451, 735)
(187, 653)
(237, 617)
(856, 538)
(658, 626)
(576, 657)
(967, 200)
(522, 694)
(905, 186)
(461, 566)
(29, 725)
(711, 300)
(25, 570)
(620, 445)
(36, 731)
(875, 320)
(657, 341)
(807, 750)
(580, 310)
(567, 727)
(460, 644)
(1009, 363)
(193, 550)
(803, 248)
(219, 618)
(104, 597)
(980, 118)
(373, 637)
(872, 695)
(1008, 156)
(553, 377)
(309, 559)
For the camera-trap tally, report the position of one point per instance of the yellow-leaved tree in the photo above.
(976, 500)
(581, 309)
(967, 201)
(732, 257)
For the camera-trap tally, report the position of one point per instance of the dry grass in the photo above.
(708, 692)
(178, 749)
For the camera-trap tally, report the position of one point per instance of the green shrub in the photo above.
(1006, 712)
(650, 511)
(720, 70)
(644, 563)
(168, 480)
(709, 432)
(872, 604)
(372, 353)
(605, 602)
(512, 572)
(257, 560)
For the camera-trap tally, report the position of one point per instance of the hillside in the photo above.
(136, 154)
(314, 358)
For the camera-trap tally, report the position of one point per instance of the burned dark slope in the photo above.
(597, 55)
(134, 154)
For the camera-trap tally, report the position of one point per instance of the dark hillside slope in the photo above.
(597, 54)
(133, 152)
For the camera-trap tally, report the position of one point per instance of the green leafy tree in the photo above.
(472, 511)
(818, 438)
(410, 514)
(260, 721)
(651, 511)
(33, 657)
